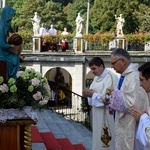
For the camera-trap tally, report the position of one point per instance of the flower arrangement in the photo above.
(28, 89)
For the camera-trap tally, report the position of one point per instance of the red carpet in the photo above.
(50, 141)
(36, 137)
(66, 144)
(79, 147)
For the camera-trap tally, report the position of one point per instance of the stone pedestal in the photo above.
(36, 43)
(112, 45)
(118, 42)
(147, 46)
(78, 44)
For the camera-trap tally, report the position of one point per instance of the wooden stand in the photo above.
(16, 134)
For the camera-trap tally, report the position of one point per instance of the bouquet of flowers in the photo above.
(28, 89)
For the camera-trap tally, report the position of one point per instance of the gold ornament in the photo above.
(105, 138)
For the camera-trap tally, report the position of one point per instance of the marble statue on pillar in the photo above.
(120, 23)
(36, 23)
(79, 25)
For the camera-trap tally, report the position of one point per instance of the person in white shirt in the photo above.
(103, 80)
(52, 30)
(65, 41)
(42, 29)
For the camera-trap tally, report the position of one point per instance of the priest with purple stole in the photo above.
(127, 95)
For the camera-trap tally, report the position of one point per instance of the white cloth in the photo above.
(125, 124)
(99, 85)
(143, 124)
(10, 114)
(143, 130)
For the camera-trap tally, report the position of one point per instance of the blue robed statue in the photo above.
(9, 53)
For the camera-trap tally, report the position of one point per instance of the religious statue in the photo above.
(120, 23)
(36, 23)
(59, 78)
(9, 53)
(79, 25)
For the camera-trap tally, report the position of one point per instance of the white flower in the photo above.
(35, 82)
(46, 86)
(46, 98)
(4, 88)
(43, 102)
(19, 74)
(37, 96)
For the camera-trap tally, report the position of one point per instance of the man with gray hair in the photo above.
(127, 95)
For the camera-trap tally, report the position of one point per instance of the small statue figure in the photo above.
(59, 78)
(79, 25)
(36, 23)
(120, 23)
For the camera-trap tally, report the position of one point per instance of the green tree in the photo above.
(102, 15)
(53, 14)
(64, 12)
(26, 12)
(63, 2)
(144, 18)
(71, 10)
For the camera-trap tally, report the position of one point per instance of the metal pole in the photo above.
(87, 23)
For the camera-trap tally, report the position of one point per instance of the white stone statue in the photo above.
(120, 23)
(79, 25)
(36, 23)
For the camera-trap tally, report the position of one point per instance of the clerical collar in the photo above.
(130, 66)
(105, 72)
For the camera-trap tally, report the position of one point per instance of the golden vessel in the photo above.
(105, 137)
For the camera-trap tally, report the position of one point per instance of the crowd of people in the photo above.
(128, 108)
(43, 31)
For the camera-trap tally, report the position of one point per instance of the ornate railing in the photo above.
(74, 106)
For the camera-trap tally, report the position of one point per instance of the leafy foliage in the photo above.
(64, 12)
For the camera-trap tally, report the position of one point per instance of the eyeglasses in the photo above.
(113, 63)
